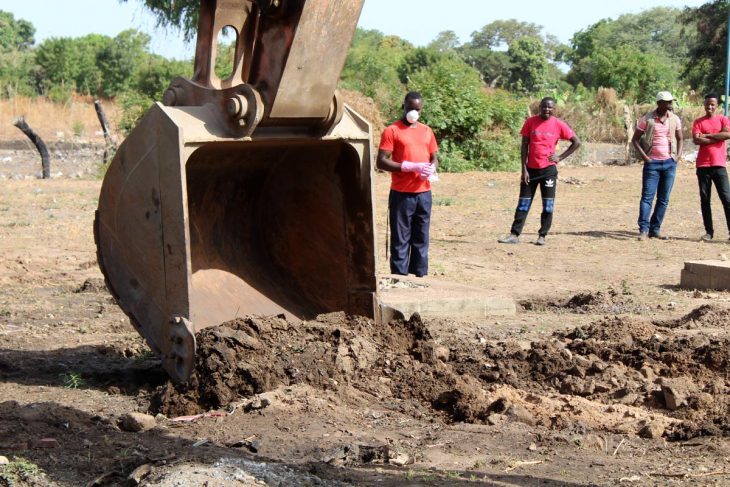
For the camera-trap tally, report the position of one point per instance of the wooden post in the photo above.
(109, 145)
(39, 144)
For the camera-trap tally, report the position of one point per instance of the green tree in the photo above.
(372, 69)
(705, 66)
(529, 72)
(94, 64)
(17, 73)
(17, 65)
(455, 108)
(502, 33)
(153, 78)
(58, 60)
(417, 59)
(445, 41)
(633, 73)
(494, 66)
(120, 60)
(15, 34)
(488, 50)
(655, 32)
(88, 78)
(178, 14)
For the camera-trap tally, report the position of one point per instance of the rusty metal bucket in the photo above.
(212, 210)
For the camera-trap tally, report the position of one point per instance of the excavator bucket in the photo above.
(247, 195)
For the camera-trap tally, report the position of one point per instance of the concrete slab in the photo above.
(706, 274)
(401, 296)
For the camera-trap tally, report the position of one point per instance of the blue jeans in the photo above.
(657, 179)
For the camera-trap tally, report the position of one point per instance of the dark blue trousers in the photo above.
(410, 218)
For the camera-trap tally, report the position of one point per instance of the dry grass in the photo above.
(75, 120)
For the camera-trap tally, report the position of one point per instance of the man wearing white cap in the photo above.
(658, 141)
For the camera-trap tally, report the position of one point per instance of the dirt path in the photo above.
(608, 375)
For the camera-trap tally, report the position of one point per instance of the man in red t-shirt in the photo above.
(710, 133)
(408, 150)
(540, 136)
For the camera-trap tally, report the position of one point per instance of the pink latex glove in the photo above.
(408, 166)
(427, 171)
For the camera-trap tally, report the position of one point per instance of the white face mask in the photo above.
(412, 116)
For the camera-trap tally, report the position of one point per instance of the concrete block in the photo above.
(706, 274)
(434, 298)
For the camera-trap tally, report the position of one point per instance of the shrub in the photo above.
(134, 105)
(60, 94)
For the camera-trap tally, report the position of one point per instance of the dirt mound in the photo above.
(706, 316)
(611, 301)
(629, 362)
(632, 366)
(252, 355)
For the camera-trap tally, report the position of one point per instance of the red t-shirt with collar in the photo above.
(711, 154)
(413, 143)
(544, 136)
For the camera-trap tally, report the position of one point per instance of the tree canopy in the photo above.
(476, 92)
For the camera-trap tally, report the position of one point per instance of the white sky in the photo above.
(418, 21)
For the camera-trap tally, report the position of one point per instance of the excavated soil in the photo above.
(675, 385)
(609, 374)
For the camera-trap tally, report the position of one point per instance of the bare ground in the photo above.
(609, 374)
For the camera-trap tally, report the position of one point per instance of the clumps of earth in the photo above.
(619, 374)
(609, 302)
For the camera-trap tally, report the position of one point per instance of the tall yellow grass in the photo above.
(56, 122)
(72, 121)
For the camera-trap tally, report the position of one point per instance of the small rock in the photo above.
(593, 442)
(532, 446)
(4, 460)
(496, 419)
(581, 361)
(630, 398)
(136, 422)
(648, 373)
(567, 354)
(675, 393)
(577, 386)
(139, 473)
(598, 366)
(521, 415)
(46, 443)
(257, 403)
(399, 459)
(442, 353)
(653, 430)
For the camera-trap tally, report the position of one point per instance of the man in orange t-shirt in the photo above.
(408, 150)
